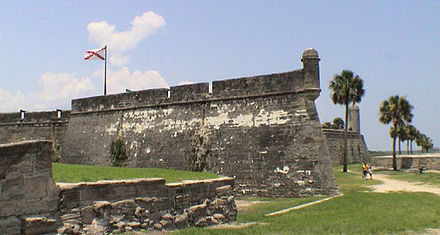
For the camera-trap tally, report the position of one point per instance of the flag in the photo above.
(95, 54)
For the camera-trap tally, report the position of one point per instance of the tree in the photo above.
(338, 123)
(428, 144)
(326, 125)
(347, 88)
(424, 142)
(420, 139)
(412, 135)
(402, 135)
(398, 111)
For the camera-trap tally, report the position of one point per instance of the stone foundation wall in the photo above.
(427, 161)
(28, 195)
(149, 204)
(357, 148)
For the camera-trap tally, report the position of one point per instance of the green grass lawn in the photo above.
(357, 212)
(71, 173)
(427, 177)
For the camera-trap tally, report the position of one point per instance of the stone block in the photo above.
(197, 211)
(224, 190)
(87, 214)
(36, 206)
(35, 187)
(26, 167)
(102, 208)
(125, 207)
(163, 203)
(13, 187)
(146, 203)
(52, 191)
(181, 220)
(70, 198)
(8, 207)
(43, 159)
(10, 225)
(39, 225)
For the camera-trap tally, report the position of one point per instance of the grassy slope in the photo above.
(357, 212)
(71, 173)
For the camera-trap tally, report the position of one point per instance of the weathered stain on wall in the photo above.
(246, 128)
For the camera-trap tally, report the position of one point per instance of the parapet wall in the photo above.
(357, 148)
(50, 125)
(264, 131)
(289, 82)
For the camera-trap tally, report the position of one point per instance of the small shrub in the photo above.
(117, 152)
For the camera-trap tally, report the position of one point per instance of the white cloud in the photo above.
(57, 90)
(63, 86)
(122, 79)
(12, 101)
(103, 33)
(185, 83)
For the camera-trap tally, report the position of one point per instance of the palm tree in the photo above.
(398, 111)
(421, 138)
(402, 136)
(424, 141)
(338, 123)
(412, 135)
(347, 88)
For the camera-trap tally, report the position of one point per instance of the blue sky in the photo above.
(393, 45)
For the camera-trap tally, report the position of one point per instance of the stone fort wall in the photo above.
(22, 126)
(264, 131)
(357, 148)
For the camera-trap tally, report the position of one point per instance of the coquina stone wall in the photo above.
(31, 203)
(145, 204)
(357, 148)
(264, 131)
(28, 195)
(22, 126)
(425, 161)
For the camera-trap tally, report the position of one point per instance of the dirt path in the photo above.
(392, 185)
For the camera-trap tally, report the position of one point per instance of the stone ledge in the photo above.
(151, 181)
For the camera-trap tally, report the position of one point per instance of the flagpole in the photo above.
(105, 70)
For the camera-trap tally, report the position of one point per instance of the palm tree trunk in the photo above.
(411, 147)
(345, 168)
(407, 147)
(400, 152)
(394, 154)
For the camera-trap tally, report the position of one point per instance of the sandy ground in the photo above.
(392, 185)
